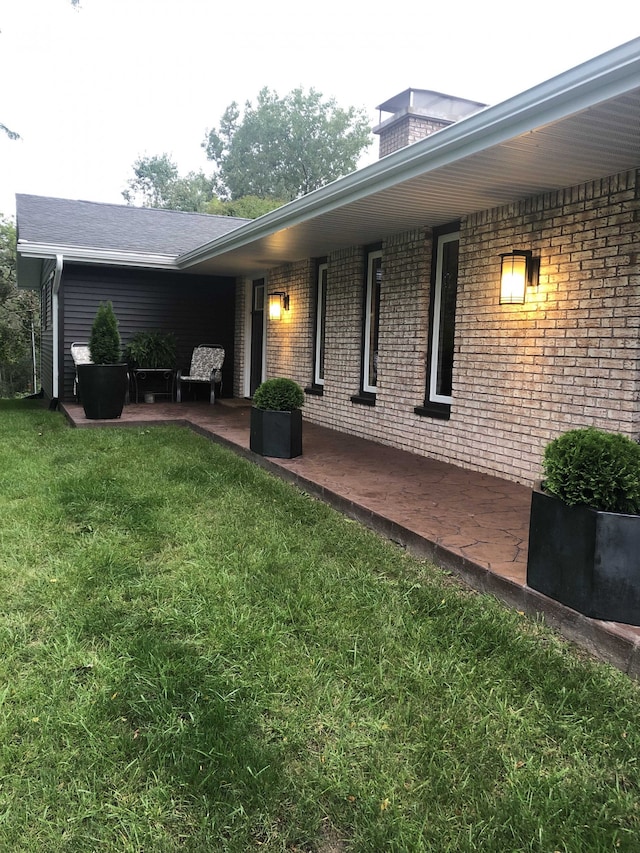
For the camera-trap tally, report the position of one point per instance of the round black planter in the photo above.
(103, 389)
(586, 559)
(277, 434)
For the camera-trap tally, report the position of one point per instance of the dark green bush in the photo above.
(153, 349)
(104, 341)
(594, 468)
(279, 395)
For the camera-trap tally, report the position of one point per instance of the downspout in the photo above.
(57, 278)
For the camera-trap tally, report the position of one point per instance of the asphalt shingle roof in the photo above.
(91, 225)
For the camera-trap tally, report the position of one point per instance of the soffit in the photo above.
(596, 142)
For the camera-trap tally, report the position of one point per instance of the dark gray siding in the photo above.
(197, 309)
(46, 339)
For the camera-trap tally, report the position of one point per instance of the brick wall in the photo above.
(290, 339)
(410, 128)
(523, 373)
(239, 354)
(569, 356)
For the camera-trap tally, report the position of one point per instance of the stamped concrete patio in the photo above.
(472, 524)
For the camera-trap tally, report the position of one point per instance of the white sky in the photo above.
(90, 90)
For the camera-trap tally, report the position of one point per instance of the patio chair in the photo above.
(206, 368)
(81, 354)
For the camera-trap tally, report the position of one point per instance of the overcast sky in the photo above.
(91, 89)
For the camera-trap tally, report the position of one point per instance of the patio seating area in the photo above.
(472, 524)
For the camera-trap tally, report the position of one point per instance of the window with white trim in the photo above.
(321, 313)
(371, 323)
(442, 323)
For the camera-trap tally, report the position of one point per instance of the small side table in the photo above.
(160, 381)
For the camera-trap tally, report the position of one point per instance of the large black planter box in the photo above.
(586, 559)
(103, 389)
(277, 434)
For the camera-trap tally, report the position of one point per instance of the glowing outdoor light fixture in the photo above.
(519, 271)
(278, 302)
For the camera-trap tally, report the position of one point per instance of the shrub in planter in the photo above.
(590, 467)
(104, 341)
(279, 395)
(584, 536)
(152, 350)
(103, 384)
(276, 419)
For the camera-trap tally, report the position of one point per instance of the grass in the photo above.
(197, 657)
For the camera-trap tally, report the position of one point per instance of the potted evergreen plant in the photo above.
(276, 419)
(584, 534)
(103, 384)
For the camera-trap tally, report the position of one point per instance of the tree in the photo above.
(19, 321)
(247, 207)
(285, 147)
(156, 183)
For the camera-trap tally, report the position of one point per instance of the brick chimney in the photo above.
(418, 113)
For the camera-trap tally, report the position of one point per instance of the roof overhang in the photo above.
(31, 257)
(577, 127)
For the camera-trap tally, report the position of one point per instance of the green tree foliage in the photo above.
(285, 147)
(247, 207)
(156, 183)
(19, 321)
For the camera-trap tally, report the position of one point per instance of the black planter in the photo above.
(586, 559)
(103, 389)
(277, 434)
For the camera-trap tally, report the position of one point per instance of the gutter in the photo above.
(612, 74)
(57, 278)
(106, 257)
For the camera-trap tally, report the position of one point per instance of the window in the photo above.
(371, 323)
(45, 305)
(321, 313)
(442, 324)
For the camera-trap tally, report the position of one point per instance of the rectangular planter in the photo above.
(586, 559)
(277, 434)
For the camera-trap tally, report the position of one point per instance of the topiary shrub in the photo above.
(153, 350)
(279, 395)
(104, 341)
(594, 468)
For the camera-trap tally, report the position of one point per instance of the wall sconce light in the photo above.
(278, 302)
(519, 270)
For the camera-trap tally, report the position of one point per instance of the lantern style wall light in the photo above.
(278, 302)
(519, 271)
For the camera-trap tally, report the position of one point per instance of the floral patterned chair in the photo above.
(206, 367)
(81, 354)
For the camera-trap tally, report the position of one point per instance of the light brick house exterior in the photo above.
(554, 171)
(568, 357)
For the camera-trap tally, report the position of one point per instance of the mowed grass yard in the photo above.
(197, 657)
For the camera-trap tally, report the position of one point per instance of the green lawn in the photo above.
(197, 657)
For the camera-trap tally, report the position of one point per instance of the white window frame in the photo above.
(434, 397)
(321, 286)
(366, 350)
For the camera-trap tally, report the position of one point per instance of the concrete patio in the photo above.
(472, 524)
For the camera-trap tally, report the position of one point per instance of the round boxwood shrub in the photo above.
(104, 341)
(594, 468)
(279, 395)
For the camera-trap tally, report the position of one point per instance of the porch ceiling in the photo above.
(579, 127)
